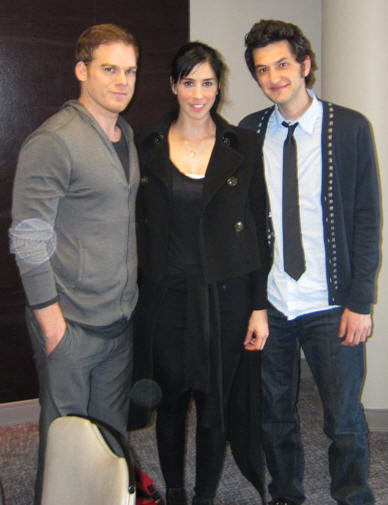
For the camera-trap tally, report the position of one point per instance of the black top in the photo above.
(121, 148)
(184, 246)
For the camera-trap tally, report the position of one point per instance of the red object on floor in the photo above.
(146, 494)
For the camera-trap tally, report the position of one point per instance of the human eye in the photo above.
(131, 71)
(261, 70)
(109, 69)
(208, 84)
(283, 64)
(187, 83)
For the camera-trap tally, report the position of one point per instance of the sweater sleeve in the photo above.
(365, 244)
(42, 176)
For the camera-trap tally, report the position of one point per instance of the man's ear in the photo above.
(306, 66)
(80, 71)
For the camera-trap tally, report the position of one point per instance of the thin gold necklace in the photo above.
(192, 151)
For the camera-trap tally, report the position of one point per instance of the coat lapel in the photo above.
(224, 162)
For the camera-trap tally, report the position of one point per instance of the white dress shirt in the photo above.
(309, 293)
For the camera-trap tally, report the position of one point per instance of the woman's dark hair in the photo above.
(268, 31)
(192, 54)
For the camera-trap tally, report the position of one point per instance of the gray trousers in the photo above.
(85, 374)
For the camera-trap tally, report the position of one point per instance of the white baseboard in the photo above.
(26, 411)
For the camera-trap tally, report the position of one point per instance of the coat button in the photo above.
(226, 141)
(239, 226)
(157, 139)
(144, 179)
(232, 181)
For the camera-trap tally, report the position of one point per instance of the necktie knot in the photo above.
(291, 128)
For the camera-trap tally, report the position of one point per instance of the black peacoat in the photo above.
(233, 243)
(233, 224)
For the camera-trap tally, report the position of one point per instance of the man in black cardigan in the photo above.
(322, 279)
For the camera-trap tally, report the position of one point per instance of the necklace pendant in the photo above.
(192, 154)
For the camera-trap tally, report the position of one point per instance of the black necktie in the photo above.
(293, 255)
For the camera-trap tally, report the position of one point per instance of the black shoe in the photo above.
(282, 501)
(176, 496)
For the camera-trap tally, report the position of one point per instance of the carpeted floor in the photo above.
(18, 458)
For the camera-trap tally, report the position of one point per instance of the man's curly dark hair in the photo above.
(268, 31)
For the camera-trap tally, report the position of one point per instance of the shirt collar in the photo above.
(307, 119)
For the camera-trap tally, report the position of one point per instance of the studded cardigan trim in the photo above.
(350, 203)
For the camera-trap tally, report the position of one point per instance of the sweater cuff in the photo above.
(39, 286)
(43, 304)
(359, 308)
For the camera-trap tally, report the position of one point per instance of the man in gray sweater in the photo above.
(73, 236)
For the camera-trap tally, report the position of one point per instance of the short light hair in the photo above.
(96, 35)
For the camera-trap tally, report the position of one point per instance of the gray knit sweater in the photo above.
(73, 228)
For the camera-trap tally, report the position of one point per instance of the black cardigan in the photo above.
(233, 225)
(350, 203)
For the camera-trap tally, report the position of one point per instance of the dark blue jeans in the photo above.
(338, 372)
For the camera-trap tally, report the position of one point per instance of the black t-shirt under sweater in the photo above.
(122, 151)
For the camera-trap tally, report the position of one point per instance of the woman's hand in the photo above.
(257, 332)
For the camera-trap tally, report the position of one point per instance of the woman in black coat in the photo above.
(204, 261)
